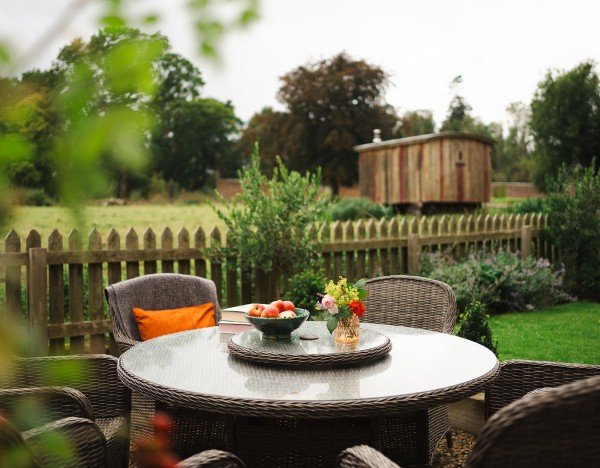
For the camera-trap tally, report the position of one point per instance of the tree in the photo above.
(573, 204)
(565, 121)
(261, 233)
(458, 118)
(84, 139)
(333, 105)
(192, 138)
(419, 122)
(268, 128)
(513, 156)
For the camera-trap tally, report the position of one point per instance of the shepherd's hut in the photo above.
(436, 172)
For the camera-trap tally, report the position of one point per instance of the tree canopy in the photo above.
(109, 100)
(565, 120)
(333, 105)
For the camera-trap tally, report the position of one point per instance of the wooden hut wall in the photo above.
(451, 170)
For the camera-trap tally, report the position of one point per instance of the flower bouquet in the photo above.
(344, 303)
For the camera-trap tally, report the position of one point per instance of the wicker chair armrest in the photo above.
(550, 427)
(519, 377)
(212, 459)
(123, 341)
(87, 444)
(363, 456)
(95, 375)
(54, 402)
(13, 448)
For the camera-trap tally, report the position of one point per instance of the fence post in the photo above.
(526, 239)
(37, 299)
(413, 253)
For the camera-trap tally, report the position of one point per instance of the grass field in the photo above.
(566, 333)
(103, 218)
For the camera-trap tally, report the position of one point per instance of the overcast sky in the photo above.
(502, 48)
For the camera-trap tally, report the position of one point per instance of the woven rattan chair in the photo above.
(82, 386)
(37, 447)
(557, 427)
(363, 456)
(87, 444)
(412, 301)
(212, 459)
(519, 377)
(194, 431)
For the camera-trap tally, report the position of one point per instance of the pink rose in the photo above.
(330, 304)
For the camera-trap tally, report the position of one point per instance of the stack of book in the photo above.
(233, 320)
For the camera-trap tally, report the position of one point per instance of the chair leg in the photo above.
(449, 441)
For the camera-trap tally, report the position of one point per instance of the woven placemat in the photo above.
(310, 346)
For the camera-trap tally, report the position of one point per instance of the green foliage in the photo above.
(565, 121)
(36, 197)
(418, 122)
(355, 208)
(333, 105)
(512, 158)
(529, 205)
(502, 281)
(303, 289)
(271, 224)
(564, 333)
(573, 204)
(474, 325)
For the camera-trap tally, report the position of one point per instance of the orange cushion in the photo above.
(153, 323)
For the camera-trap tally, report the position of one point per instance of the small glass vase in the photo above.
(347, 330)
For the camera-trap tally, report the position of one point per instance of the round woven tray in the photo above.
(311, 345)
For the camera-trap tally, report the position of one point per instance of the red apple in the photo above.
(287, 314)
(278, 304)
(256, 310)
(289, 305)
(270, 312)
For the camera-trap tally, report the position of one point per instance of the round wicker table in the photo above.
(194, 369)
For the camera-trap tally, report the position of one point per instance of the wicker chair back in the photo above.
(411, 301)
(157, 291)
(556, 427)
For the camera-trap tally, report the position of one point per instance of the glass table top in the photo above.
(198, 361)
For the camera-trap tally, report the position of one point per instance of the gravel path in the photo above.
(457, 456)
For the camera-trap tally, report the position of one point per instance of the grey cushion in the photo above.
(157, 292)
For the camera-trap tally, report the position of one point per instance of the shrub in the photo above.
(530, 205)
(474, 325)
(303, 290)
(271, 223)
(502, 281)
(573, 203)
(36, 197)
(355, 208)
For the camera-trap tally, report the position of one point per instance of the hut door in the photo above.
(460, 174)
(460, 181)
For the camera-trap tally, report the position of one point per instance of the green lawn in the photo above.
(44, 219)
(566, 333)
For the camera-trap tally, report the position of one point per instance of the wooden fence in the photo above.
(57, 292)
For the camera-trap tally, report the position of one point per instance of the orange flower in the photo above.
(357, 308)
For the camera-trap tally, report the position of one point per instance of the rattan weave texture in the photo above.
(519, 377)
(363, 456)
(98, 394)
(558, 427)
(194, 430)
(222, 388)
(296, 352)
(212, 459)
(412, 301)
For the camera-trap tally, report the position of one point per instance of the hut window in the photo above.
(460, 155)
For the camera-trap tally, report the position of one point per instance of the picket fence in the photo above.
(56, 293)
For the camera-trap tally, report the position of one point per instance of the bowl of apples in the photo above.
(276, 320)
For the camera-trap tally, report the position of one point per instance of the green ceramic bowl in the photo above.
(278, 328)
